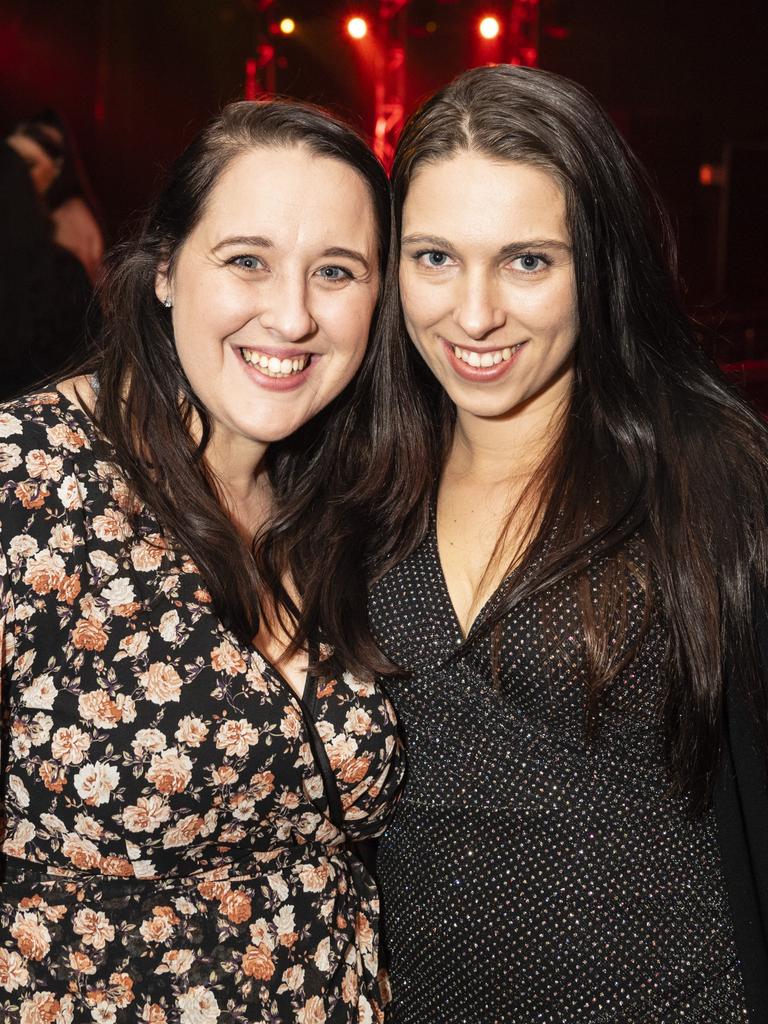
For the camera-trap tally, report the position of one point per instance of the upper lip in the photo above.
(485, 348)
(279, 352)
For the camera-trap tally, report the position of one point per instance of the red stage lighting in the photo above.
(489, 27)
(711, 174)
(357, 27)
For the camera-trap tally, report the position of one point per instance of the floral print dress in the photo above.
(176, 848)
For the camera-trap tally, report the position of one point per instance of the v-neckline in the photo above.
(445, 592)
(301, 701)
(305, 703)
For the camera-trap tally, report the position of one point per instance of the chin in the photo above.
(484, 404)
(273, 432)
(269, 435)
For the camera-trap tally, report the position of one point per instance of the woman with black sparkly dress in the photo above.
(583, 830)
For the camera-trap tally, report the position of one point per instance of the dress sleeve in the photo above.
(6, 628)
(357, 726)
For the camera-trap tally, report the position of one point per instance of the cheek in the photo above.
(201, 296)
(423, 303)
(194, 364)
(550, 312)
(347, 331)
(199, 331)
(565, 316)
(207, 312)
(348, 325)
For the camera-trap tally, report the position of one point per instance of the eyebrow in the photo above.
(260, 242)
(513, 249)
(257, 241)
(349, 254)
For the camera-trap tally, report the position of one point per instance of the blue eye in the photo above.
(246, 262)
(334, 274)
(433, 258)
(531, 262)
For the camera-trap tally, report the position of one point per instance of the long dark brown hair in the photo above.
(146, 407)
(654, 441)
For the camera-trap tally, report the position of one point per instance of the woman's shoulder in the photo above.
(51, 421)
(46, 449)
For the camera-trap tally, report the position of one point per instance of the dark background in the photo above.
(685, 80)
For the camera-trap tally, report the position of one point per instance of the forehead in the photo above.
(480, 197)
(290, 194)
(30, 149)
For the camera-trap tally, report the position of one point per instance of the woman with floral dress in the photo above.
(185, 761)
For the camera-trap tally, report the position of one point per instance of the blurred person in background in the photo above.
(44, 291)
(48, 147)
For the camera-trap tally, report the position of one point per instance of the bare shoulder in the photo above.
(78, 391)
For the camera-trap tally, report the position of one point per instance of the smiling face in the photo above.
(273, 293)
(487, 283)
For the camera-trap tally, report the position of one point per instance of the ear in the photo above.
(162, 282)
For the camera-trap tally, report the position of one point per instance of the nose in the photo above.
(286, 313)
(478, 311)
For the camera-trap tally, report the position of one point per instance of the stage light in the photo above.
(711, 174)
(489, 27)
(357, 28)
(287, 26)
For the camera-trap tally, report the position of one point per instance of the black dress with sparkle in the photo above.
(527, 877)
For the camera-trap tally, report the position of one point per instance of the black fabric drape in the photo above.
(741, 809)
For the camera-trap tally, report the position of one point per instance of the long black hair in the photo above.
(654, 441)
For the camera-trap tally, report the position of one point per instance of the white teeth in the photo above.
(272, 366)
(487, 359)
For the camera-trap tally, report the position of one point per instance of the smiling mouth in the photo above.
(486, 359)
(272, 366)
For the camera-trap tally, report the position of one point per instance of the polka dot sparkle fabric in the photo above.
(527, 879)
(176, 849)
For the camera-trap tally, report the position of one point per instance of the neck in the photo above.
(239, 468)
(509, 448)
